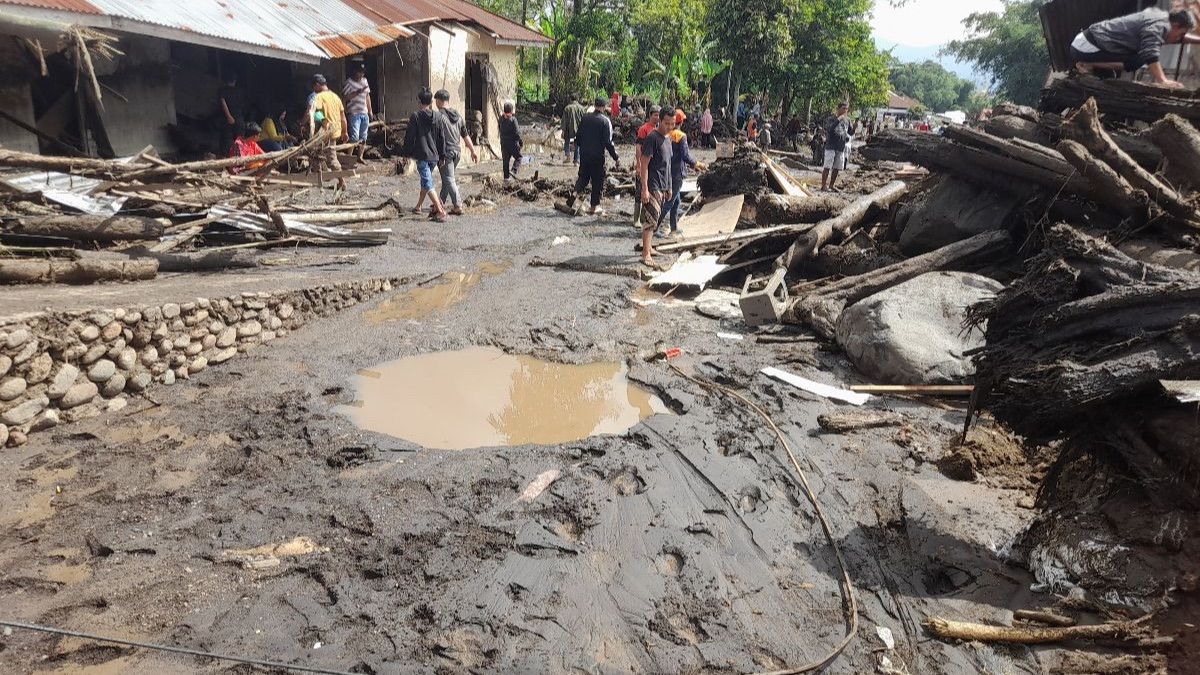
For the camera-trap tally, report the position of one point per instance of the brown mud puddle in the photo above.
(451, 288)
(481, 397)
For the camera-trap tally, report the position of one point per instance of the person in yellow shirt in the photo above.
(325, 111)
(273, 138)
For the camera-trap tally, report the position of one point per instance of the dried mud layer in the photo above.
(243, 513)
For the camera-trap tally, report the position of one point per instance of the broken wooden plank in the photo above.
(918, 389)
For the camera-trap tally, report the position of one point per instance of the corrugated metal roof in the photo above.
(419, 11)
(1063, 19)
(313, 28)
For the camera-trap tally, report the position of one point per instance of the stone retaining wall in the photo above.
(66, 366)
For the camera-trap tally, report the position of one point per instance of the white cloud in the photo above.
(923, 23)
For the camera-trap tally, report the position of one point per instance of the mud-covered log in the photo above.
(821, 308)
(842, 422)
(859, 211)
(83, 271)
(1032, 635)
(91, 228)
(1084, 126)
(1086, 326)
(1002, 170)
(1110, 188)
(201, 261)
(782, 209)
(1180, 144)
(1121, 100)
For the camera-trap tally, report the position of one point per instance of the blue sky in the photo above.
(918, 28)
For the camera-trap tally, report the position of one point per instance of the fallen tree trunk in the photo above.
(986, 166)
(1084, 126)
(1180, 144)
(75, 165)
(1121, 100)
(92, 228)
(782, 209)
(1110, 188)
(204, 261)
(821, 308)
(856, 213)
(841, 422)
(1033, 635)
(335, 217)
(83, 271)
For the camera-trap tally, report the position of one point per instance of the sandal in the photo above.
(437, 217)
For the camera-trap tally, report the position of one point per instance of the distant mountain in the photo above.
(911, 54)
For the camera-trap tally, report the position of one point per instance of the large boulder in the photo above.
(952, 210)
(913, 333)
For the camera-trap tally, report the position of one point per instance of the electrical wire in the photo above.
(847, 586)
(169, 648)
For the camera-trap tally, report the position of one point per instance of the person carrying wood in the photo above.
(654, 173)
(837, 137)
(593, 139)
(325, 111)
(1132, 41)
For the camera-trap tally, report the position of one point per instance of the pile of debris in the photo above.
(1066, 243)
(85, 220)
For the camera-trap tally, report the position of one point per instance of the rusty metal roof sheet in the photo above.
(305, 29)
(419, 11)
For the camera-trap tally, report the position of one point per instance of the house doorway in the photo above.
(477, 89)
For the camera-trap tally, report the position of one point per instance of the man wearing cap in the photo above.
(454, 135)
(357, 95)
(1132, 41)
(325, 111)
(837, 135)
(592, 140)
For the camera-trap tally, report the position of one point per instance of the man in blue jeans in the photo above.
(424, 143)
(357, 95)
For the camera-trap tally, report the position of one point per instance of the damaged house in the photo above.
(68, 87)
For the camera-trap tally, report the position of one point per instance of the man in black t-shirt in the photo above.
(654, 172)
(593, 137)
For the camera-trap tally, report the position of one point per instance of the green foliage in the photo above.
(931, 84)
(1009, 46)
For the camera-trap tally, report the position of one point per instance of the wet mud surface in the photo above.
(246, 513)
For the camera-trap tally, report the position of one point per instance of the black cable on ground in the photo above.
(847, 586)
(169, 648)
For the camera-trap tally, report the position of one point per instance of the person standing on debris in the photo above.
(764, 136)
(642, 132)
(752, 129)
(615, 106)
(424, 143)
(325, 111)
(706, 129)
(1132, 41)
(680, 156)
(357, 95)
(454, 134)
(654, 174)
(794, 130)
(230, 103)
(593, 139)
(510, 141)
(837, 135)
(571, 116)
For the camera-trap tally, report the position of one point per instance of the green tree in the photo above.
(1009, 47)
(931, 84)
(834, 58)
(752, 35)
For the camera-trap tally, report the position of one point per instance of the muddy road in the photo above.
(244, 512)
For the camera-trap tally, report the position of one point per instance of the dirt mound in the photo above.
(993, 454)
(744, 173)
